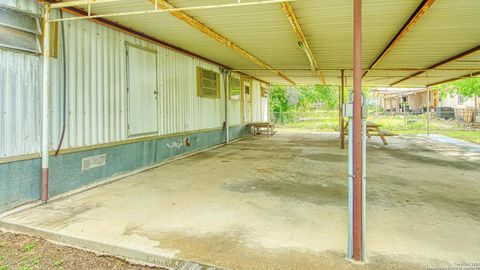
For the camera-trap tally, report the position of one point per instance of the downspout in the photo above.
(45, 101)
(226, 75)
(64, 114)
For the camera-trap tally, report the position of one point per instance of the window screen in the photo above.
(235, 89)
(208, 83)
(18, 31)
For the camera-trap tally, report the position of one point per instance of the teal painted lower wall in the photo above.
(20, 180)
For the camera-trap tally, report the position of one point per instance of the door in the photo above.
(141, 91)
(247, 101)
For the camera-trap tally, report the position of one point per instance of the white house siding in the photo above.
(454, 102)
(19, 100)
(96, 92)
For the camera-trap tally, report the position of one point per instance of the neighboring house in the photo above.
(458, 101)
(414, 99)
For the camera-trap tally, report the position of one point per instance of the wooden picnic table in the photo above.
(257, 128)
(373, 129)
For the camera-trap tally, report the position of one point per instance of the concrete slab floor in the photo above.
(280, 203)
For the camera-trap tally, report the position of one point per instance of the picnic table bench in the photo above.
(257, 128)
(373, 129)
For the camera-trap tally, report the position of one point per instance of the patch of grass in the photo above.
(3, 267)
(58, 262)
(469, 136)
(29, 246)
(36, 260)
(327, 121)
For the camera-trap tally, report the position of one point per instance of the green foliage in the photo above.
(467, 87)
(29, 246)
(303, 98)
(58, 262)
(278, 99)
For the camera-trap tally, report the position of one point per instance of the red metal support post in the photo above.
(357, 130)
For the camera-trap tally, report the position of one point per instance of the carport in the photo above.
(345, 43)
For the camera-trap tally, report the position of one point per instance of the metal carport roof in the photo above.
(433, 32)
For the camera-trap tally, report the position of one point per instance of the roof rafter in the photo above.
(292, 18)
(411, 22)
(130, 31)
(446, 61)
(456, 78)
(163, 4)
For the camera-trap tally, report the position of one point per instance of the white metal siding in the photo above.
(256, 109)
(259, 103)
(96, 92)
(19, 103)
(234, 116)
(96, 65)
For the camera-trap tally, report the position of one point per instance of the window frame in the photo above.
(238, 95)
(201, 88)
(19, 29)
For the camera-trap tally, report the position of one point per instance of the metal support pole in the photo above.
(342, 100)
(404, 113)
(45, 102)
(428, 111)
(364, 177)
(225, 86)
(358, 252)
(350, 187)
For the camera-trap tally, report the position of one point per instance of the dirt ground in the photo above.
(23, 252)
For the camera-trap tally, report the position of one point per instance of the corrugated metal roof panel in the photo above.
(447, 28)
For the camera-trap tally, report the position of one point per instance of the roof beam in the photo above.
(411, 22)
(127, 30)
(292, 18)
(163, 4)
(469, 75)
(446, 61)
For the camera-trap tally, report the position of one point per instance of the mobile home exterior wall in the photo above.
(97, 111)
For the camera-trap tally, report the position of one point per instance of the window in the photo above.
(461, 99)
(19, 31)
(235, 89)
(208, 83)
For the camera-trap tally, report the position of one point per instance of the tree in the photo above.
(467, 87)
(303, 98)
(278, 99)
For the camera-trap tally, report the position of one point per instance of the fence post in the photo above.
(428, 111)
